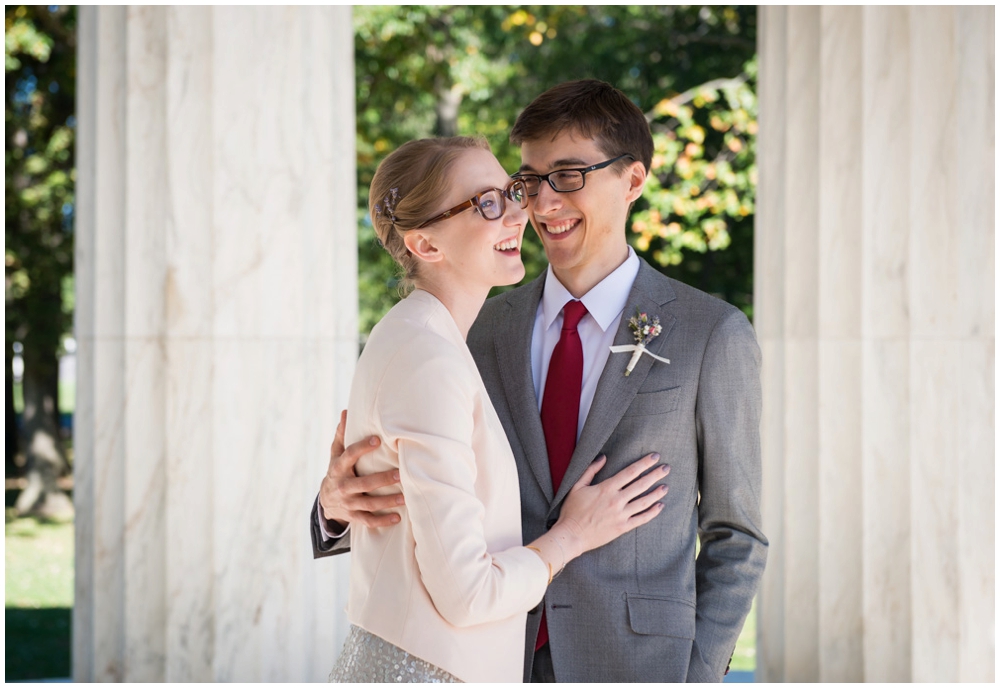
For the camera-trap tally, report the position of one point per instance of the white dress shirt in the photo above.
(605, 304)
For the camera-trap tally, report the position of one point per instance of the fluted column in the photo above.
(217, 321)
(875, 311)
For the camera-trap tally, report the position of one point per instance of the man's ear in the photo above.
(636, 175)
(422, 246)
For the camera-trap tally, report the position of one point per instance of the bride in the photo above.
(443, 595)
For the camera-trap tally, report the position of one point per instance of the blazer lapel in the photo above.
(650, 293)
(513, 351)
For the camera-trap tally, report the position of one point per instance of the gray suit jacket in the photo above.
(643, 607)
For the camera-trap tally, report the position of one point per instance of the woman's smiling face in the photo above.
(476, 251)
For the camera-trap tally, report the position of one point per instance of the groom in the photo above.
(649, 606)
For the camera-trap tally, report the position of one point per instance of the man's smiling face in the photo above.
(583, 231)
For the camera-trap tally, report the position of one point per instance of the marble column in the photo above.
(874, 306)
(216, 274)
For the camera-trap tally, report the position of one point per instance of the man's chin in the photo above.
(559, 255)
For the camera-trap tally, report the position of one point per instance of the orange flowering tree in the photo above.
(700, 193)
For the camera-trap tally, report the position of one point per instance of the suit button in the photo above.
(551, 522)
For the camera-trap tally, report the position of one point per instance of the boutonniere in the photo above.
(644, 330)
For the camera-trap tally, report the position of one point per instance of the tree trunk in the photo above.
(46, 457)
(448, 101)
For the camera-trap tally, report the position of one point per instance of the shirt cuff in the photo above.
(325, 531)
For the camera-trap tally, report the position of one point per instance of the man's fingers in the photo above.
(367, 503)
(375, 520)
(337, 448)
(345, 462)
(367, 483)
(351, 499)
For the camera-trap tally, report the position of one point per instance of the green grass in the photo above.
(67, 396)
(18, 398)
(39, 593)
(745, 655)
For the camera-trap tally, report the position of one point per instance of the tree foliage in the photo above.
(701, 190)
(40, 61)
(424, 71)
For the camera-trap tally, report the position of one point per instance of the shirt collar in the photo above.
(604, 302)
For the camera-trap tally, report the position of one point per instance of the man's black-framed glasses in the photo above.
(564, 181)
(491, 204)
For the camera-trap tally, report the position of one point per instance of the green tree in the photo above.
(422, 71)
(425, 71)
(700, 194)
(40, 58)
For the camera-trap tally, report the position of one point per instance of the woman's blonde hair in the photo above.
(407, 189)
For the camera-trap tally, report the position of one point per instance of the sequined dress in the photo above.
(366, 658)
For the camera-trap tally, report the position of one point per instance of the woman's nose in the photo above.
(515, 215)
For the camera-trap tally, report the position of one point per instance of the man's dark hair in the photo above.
(594, 109)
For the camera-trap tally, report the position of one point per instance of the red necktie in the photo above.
(561, 406)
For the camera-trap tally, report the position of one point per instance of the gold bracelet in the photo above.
(532, 547)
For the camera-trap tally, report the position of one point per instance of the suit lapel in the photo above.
(650, 293)
(513, 351)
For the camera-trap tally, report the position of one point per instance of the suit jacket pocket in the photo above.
(660, 616)
(654, 403)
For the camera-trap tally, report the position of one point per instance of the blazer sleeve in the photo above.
(326, 546)
(733, 548)
(427, 408)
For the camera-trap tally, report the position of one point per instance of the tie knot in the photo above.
(573, 312)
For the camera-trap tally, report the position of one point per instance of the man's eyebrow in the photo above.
(565, 162)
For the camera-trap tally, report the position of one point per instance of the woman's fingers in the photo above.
(598, 513)
(644, 517)
(632, 471)
(642, 503)
(591, 472)
(643, 483)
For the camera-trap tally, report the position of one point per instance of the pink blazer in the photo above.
(452, 582)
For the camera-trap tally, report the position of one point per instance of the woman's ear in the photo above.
(636, 174)
(422, 246)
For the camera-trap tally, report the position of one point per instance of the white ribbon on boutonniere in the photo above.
(644, 330)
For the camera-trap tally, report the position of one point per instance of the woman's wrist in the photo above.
(541, 555)
(569, 541)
